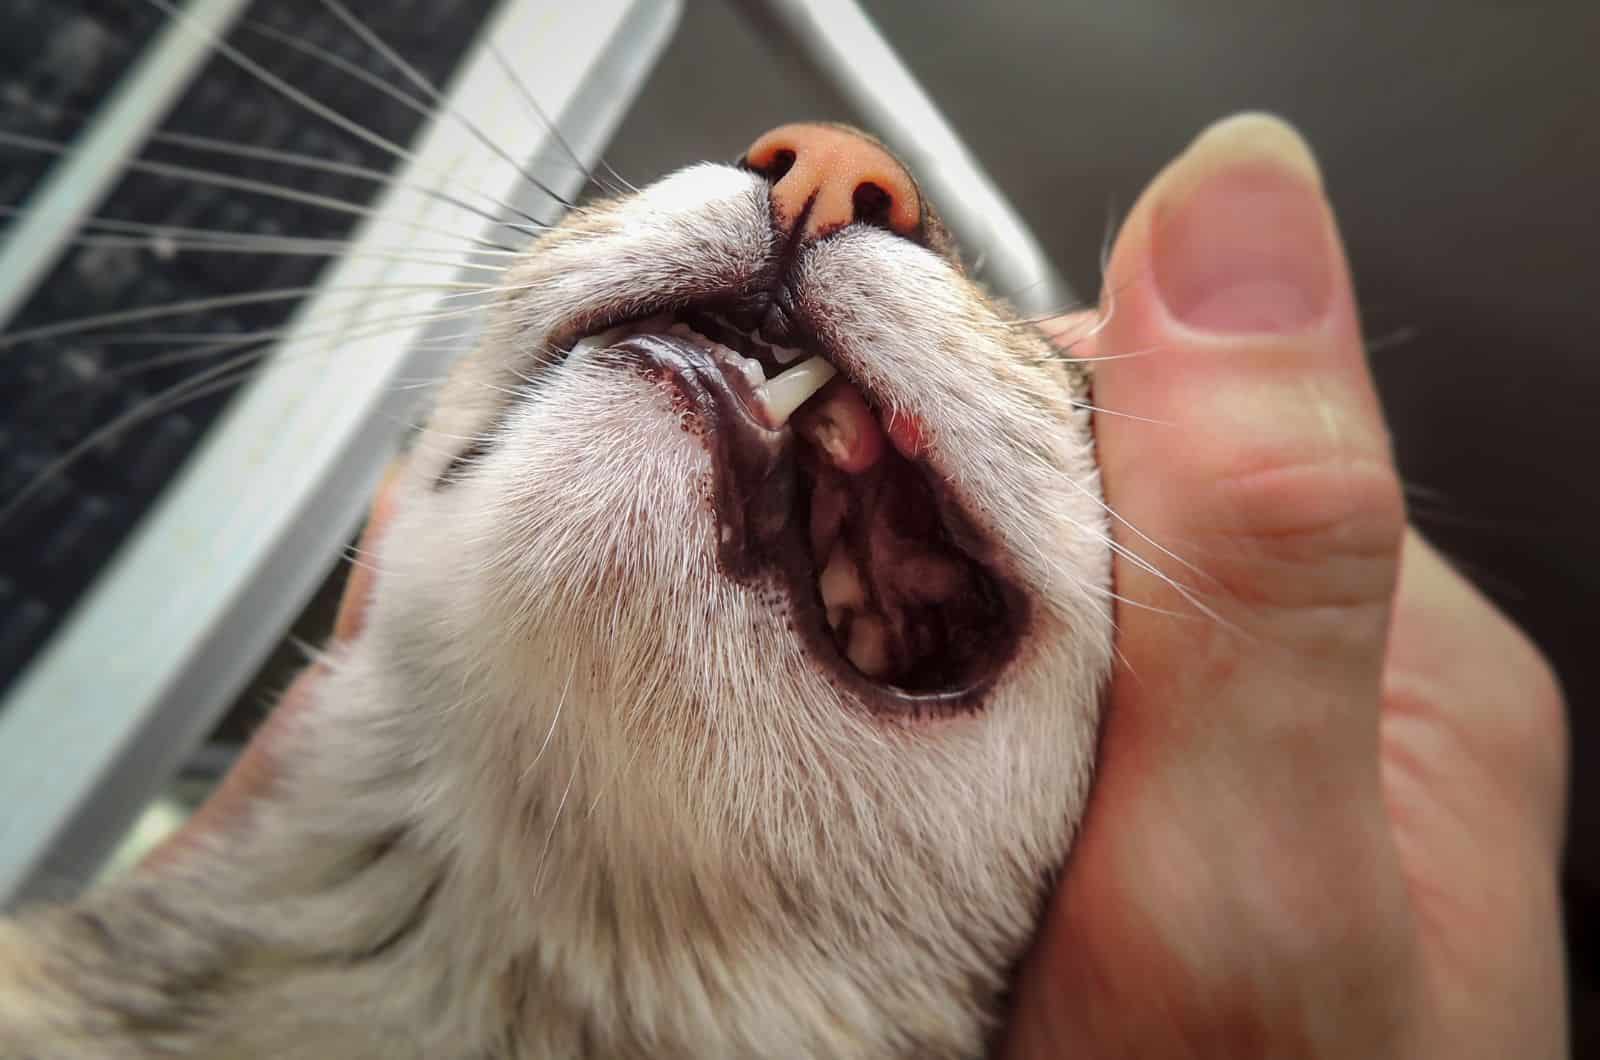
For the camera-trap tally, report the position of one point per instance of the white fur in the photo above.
(624, 810)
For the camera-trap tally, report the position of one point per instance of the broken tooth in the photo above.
(840, 423)
(784, 393)
(830, 438)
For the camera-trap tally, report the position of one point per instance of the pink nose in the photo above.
(828, 176)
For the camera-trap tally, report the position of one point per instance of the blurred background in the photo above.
(1460, 147)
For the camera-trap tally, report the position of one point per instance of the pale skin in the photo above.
(1328, 811)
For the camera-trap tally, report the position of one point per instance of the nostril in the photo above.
(776, 167)
(872, 205)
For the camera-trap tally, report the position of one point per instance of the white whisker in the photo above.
(222, 342)
(232, 236)
(282, 87)
(545, 123)
(377, 44)
(555, 718)
(197, 305)
(1102, 411)
(258, 187)
(270, 250)
(208, 382)
(378, 84)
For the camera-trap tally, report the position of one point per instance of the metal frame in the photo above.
(191, 606)
(836, 40)
(77, 182)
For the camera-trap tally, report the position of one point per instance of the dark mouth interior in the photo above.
(881, 564)
(902, 602)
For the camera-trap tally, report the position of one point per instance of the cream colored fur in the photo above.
(574, 792)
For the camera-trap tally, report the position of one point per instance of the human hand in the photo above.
(1329, 805)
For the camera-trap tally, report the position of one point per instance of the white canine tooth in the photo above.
(784, 393)
(786, 354)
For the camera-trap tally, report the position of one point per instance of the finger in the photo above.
(1268, 471)
(1473, 713)
(1474, 753)
(1259, 522)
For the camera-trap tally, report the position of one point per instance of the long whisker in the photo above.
(340, 63)
(1148, 567)
(378, 84)
(292, 158)
(416, 77)
(261, 187)
(279, 85)
(1130, 355)
(207, 382)
(197, 305)
(1389, 340)
(349, 169)
(229, 236)
(215, 342)
(265, 249)
(544, 120)
(283, 88)
(555, 718)
(1100, 410)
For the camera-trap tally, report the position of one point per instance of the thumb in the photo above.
(1258, 521)
(1267, 470)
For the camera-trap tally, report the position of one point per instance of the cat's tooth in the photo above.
(841, 424)
(840, 583)
(869, 645)
(783, 393)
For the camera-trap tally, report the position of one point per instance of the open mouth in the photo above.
(815, 482)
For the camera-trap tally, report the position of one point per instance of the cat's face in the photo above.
(823, 693)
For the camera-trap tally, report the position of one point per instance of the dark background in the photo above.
(1461, 146)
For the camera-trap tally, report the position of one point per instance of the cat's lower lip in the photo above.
(787, 511)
